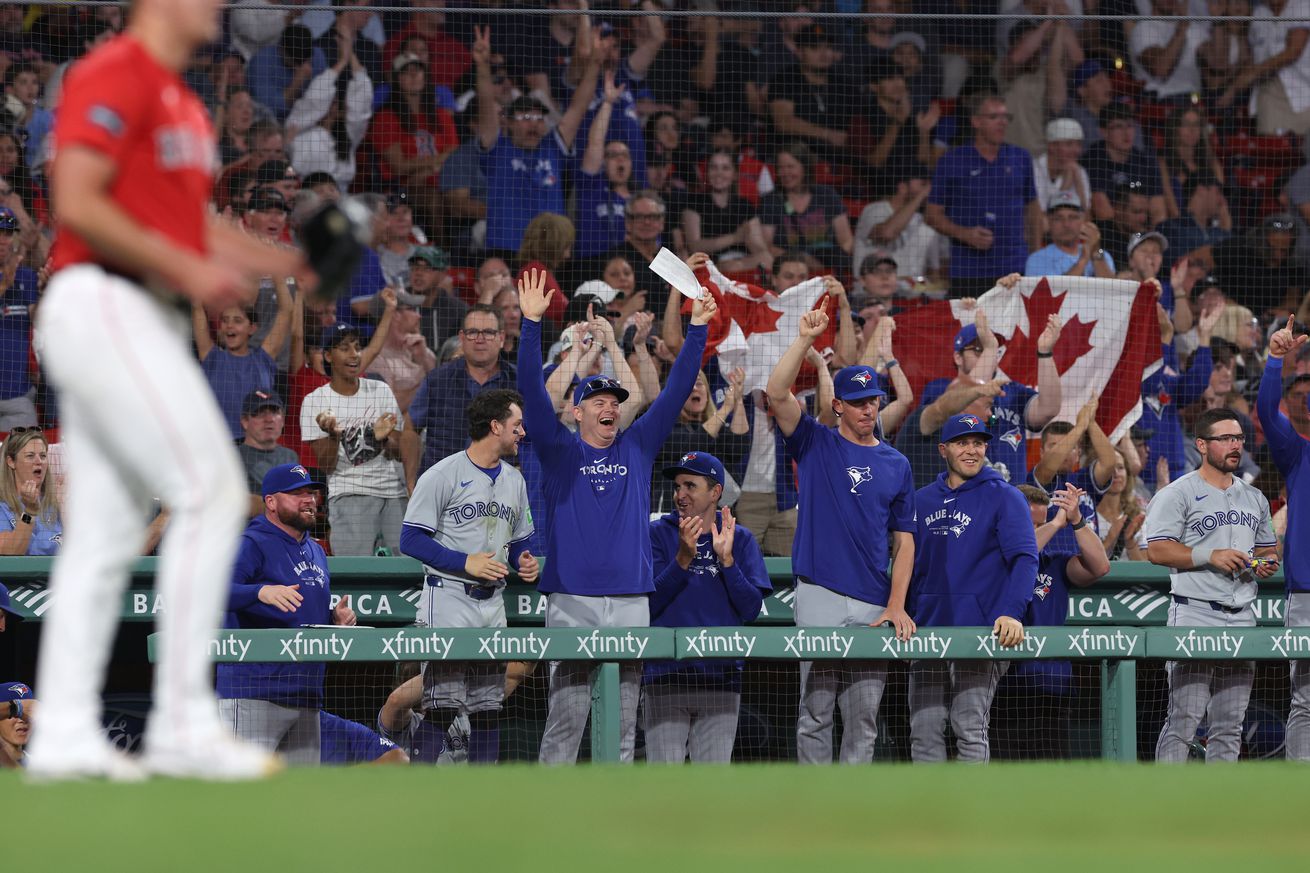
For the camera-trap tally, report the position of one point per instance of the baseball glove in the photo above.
(333, 240)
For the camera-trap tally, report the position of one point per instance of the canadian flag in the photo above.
(754, 326)
(1109, 342)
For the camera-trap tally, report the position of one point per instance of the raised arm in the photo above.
(1054, 457)
(824, 391)
(593, 159)
(1091, 562)
(784, 405)
(277, 334)
(1285, 443)
(1050, 393)
(652, 429)
(649, 37)
(539, 418)
(845, 349)
(648, 373)
(603, 332)
(488, 108)
(572, 120)
(379, 339)
(1105, 457)
(200, 331)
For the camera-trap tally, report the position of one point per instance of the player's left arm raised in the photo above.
(652, 429)
(784, 405)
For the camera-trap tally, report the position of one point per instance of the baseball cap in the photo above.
(1084, 71)
(1063, 129)
(525, 104)
(397, 199)
(697, 464)
(964, 425)
(404, 298)
(604, 28)
(14, 691)
(967, 336)
(1065, 200)
(876, 259)
(287, 477)
(8, 221)
(266, 198)
(594, 385)
(5, 602)
(335, 334)
(856, 383)
(598, 288)
(908, 36)
(275, 171)
(260, 399)
(404, 59)
(1138, 238)
(434, 257)
(812, 35)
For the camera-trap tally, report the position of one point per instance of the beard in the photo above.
(293, 518)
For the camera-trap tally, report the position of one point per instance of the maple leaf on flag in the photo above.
(1019, 361)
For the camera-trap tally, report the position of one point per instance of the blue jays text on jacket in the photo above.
(975, 553)
(598, 500)
(267, 555)
(1292, 455)
(706, 594)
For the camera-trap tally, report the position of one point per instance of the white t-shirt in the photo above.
(1157, 33)
(1046, 186)
(362, 469)
(917, 249)
(1268, 36)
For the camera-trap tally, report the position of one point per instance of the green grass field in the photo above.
(757, 818)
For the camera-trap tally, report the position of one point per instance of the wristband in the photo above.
(1045, 354)
(1201, 557)
(891, 363)
(1082, 523)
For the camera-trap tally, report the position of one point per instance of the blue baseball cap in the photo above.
(965, 425)
(594, 385)
(14, 691)
(8, 221)
(1084, 71)
(856, 383)
(287, 477)
(335, 334)
(967, 336)
(4, 602)
(260, 399)
(697, 464)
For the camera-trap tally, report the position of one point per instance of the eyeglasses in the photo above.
(475, 334)
(1236, 439)
(528, 116)
(1280, 224)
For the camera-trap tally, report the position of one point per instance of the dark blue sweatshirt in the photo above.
(975, 553)
(705, 594)
(267, 555)
(1292, 455)
(598, 500)
(1165, 392)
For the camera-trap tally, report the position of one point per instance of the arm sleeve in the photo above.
(539, 418)
(244, 590)
(652, 429)
(1266, 537)
(1197, 378)
(1019, 544)
(314, 102)
(1165, 516)
(359, 107)
(800, 439)
(101, 112)
(747, 581)
(418, 543)
(1285, 444)
(670, 578)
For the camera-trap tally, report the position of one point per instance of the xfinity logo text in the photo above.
(626, 645)
(1088, 642)
(928, 644)
(300, 646)
(1192, 644)
(707, 643)
(803, 643)
(403, 645)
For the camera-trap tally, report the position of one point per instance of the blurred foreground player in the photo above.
(131, 185)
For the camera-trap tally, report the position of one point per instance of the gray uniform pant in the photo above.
(961, 691)
(359, 522)
(856, 687)
(1215, 690)
(1298, 718)
(570, 682)
(681, 721)
(290, 731)
(470, 686)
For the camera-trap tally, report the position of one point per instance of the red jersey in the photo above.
(433, 136)
(122, 103)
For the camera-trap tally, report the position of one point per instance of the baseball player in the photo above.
(468, 521)
(131, 183)
(597, 485)
(1207, 526)
(709, 572)
(856, 496)
(280, 581)
(348, 742)
(16, 708)
(974, 565)
(1292, 455)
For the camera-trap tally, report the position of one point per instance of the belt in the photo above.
(477, 592)
(1213, 604)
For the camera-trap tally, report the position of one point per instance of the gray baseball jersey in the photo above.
(466, 510)
(1193, 512)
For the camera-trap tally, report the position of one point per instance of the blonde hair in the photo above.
(547, 238)
(1231, 321)
(13, 445)
(1128, 504)
(710, 409)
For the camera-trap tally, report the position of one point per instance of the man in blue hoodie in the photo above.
(709, 572)
(1292, 455)
(280, 581)
(975, 565)
(856, 517)
(597, 485)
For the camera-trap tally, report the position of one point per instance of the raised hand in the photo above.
(704, 308)
(1209, 318)
(722, 535)
(388, 296)
(697, 260)
(736, 379)
(30, 493)
(882, 337)
(534, 299)
(1161, 472)
(613, 92)
(643, 322)
(1068, 501)
(1166, 324)
(481, 48)
(1009, 281)
(985, 334)
(925, 121)
(1285, 340)
(815, 322)
(834, 288)
(1050, 334)
(1181, 278)
(600, 328)
(1087, 414)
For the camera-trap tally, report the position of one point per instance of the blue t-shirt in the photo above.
(851, 498)
(1048, 608)
(600, 215)
(625, 124)
(231, 377)
(342, 741)
(976, 192)
(1053, 261)
(46, 537)
(1065, 539)
(269, 77)
(16, 334)
(521, 185)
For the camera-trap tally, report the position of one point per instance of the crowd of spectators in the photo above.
(908, 158)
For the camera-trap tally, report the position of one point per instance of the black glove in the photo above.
(334, 239)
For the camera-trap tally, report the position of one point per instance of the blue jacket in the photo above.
(1292, 455)
(267, 555)
(975, 553)
(705, 594)
(1165, 392)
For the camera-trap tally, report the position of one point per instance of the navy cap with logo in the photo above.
(258, 400)
(335, 334)
(967, 336)
(275, 170)
(288, 477)
(856, 383)
(965, 425)
(10, 691)
(594, 385)
(8, 221)
(697, 464)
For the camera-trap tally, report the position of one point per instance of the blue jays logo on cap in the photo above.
(863, 377)
(697, 464)
(965, 425)
(970, 421)
(15, 691)
(689, 457)
(288, 477)
(855, 383)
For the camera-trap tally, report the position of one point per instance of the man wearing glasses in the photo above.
(1216, 534)
(439, 404)
(643, 222)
